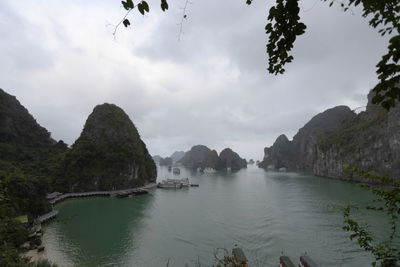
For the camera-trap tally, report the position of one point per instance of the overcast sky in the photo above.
(60, 59)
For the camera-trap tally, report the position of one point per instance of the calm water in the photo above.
(265, 213)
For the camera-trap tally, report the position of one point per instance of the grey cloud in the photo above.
(210, 88)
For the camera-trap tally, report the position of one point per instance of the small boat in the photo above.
(194, 185)
(284, 261)
(176, 170)
(239, 257)
(306, 261)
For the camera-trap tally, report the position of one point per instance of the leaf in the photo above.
(126, 22)
(164, 5)
(140, 8)
(145, 6)
(130, 4)
(125, 5)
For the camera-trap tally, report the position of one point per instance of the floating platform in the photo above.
(175, 183)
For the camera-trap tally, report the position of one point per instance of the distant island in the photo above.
(171, 160)
(202, 158)
(338, 137)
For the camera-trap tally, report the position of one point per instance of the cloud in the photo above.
(211, 87)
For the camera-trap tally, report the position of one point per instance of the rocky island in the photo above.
(368, 141)
(109, 154)
(202, 158)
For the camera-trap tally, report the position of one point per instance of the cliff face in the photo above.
(212, 161)
(305, 141)
(109, 154)
(280, 155)
(299, 154)
(231, 160)
(369, 141)
(195, 156)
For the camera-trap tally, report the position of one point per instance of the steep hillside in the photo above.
(212, 161)
(369, 141)
(109, 154)
(231, 160)
(29, 157)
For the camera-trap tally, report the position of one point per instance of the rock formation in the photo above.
(194, 158)
(369, 141)
(28, 152)
(231, 160)
(177, 156)
(212, 162)
(109, 154)
(166, 161)
(280, 154)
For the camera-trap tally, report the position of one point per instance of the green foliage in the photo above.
(108, 153)
(285, 26)
(386, 252)
(164, 5)
(283, 29)
(385, 14)
(350, 128)
(12, 232)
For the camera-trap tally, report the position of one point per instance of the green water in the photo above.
(265, 213)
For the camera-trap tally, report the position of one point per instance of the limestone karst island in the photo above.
(200, 133)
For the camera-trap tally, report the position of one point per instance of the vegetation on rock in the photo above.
(109, 154)
(32, 164)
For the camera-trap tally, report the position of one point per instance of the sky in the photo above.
(208, 85)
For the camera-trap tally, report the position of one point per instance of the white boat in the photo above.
(174, 183)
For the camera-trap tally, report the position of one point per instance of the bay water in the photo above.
(264, 213)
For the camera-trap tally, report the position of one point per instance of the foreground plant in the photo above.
(387, 201)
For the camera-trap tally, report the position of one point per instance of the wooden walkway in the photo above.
(133, 191)
(48, 216)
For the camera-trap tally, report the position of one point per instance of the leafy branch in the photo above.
(385, 252)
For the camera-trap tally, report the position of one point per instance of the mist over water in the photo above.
(264, 213)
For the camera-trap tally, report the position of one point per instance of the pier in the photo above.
(47, 216)
(130, 191)
(117, 193)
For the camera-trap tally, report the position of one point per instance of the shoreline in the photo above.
(34, 255)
